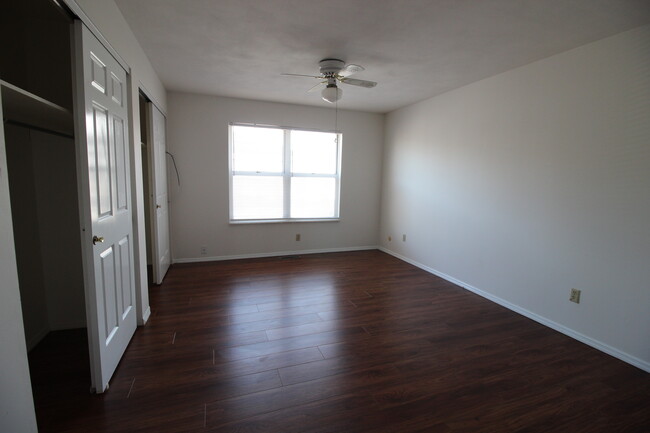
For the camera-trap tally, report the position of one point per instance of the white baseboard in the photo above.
(36, 338)
(643, 365)
(271, 254)
(146, 315)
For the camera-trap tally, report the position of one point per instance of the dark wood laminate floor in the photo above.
(344, 342)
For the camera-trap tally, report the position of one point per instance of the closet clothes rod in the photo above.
(37, 128)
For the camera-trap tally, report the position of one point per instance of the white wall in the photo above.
(109, 20)
(198, 138)
(532, 182)
(43, 187)
(57, 207)
(24, 214)
(16, 402)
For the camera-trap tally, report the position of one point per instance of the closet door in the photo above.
(158, 164)
(105, 202)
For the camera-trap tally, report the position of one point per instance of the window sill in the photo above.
(292, 220)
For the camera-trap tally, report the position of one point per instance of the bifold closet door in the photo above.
(105, 203)
(158, 173)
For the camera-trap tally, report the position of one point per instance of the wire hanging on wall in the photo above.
(178, 177)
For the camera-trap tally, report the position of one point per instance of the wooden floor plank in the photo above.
(341, 342)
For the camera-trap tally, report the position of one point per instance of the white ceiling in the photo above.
(414, 49)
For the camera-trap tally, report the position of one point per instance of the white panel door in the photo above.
(158, 173)
(105, 203)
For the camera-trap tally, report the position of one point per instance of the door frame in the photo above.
(152, 182)
(104, 357)
(149, 181)
(133, 86)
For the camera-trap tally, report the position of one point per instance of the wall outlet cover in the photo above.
(575, 296)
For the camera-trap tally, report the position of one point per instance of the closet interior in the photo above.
(36, 84)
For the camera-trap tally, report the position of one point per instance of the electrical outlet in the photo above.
(298, 237)
(403, 238)
(204, 250)
(575, 296)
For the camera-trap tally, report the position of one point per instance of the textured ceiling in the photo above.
(414, 49)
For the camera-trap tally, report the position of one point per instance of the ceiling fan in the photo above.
(333, 71)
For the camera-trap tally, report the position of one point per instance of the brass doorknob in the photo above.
(97, 239)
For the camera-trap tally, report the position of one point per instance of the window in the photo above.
(283, 174)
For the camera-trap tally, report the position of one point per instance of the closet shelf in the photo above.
(25, 108)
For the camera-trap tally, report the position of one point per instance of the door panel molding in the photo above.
(77, 11)
(160, 199)
(103, 165)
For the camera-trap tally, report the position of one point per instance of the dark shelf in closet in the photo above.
(24, 108)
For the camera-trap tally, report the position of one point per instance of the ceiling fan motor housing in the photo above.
(330, 66)
(333, 71)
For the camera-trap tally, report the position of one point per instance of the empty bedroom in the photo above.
(340, 216)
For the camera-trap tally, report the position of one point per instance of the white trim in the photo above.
(137, 202)
(285, 220)
(289, 128)
(286, 174)
(36, 338)
(273, 254)
(79, 13)
(146, 314)
(153, 100)
(230, 167)
(643, 365)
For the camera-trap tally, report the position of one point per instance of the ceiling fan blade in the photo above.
(360, 83)
(350, 69)
(317, 87)
(302, 75)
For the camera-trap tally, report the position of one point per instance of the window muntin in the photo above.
(283, 174)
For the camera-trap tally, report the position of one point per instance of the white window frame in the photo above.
(286, 175)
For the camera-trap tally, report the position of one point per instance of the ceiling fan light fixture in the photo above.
(332, 93)
(333, 72)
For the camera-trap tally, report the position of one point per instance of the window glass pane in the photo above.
(313, 197)
(313, 152)
(257, 149)
(257, 197)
